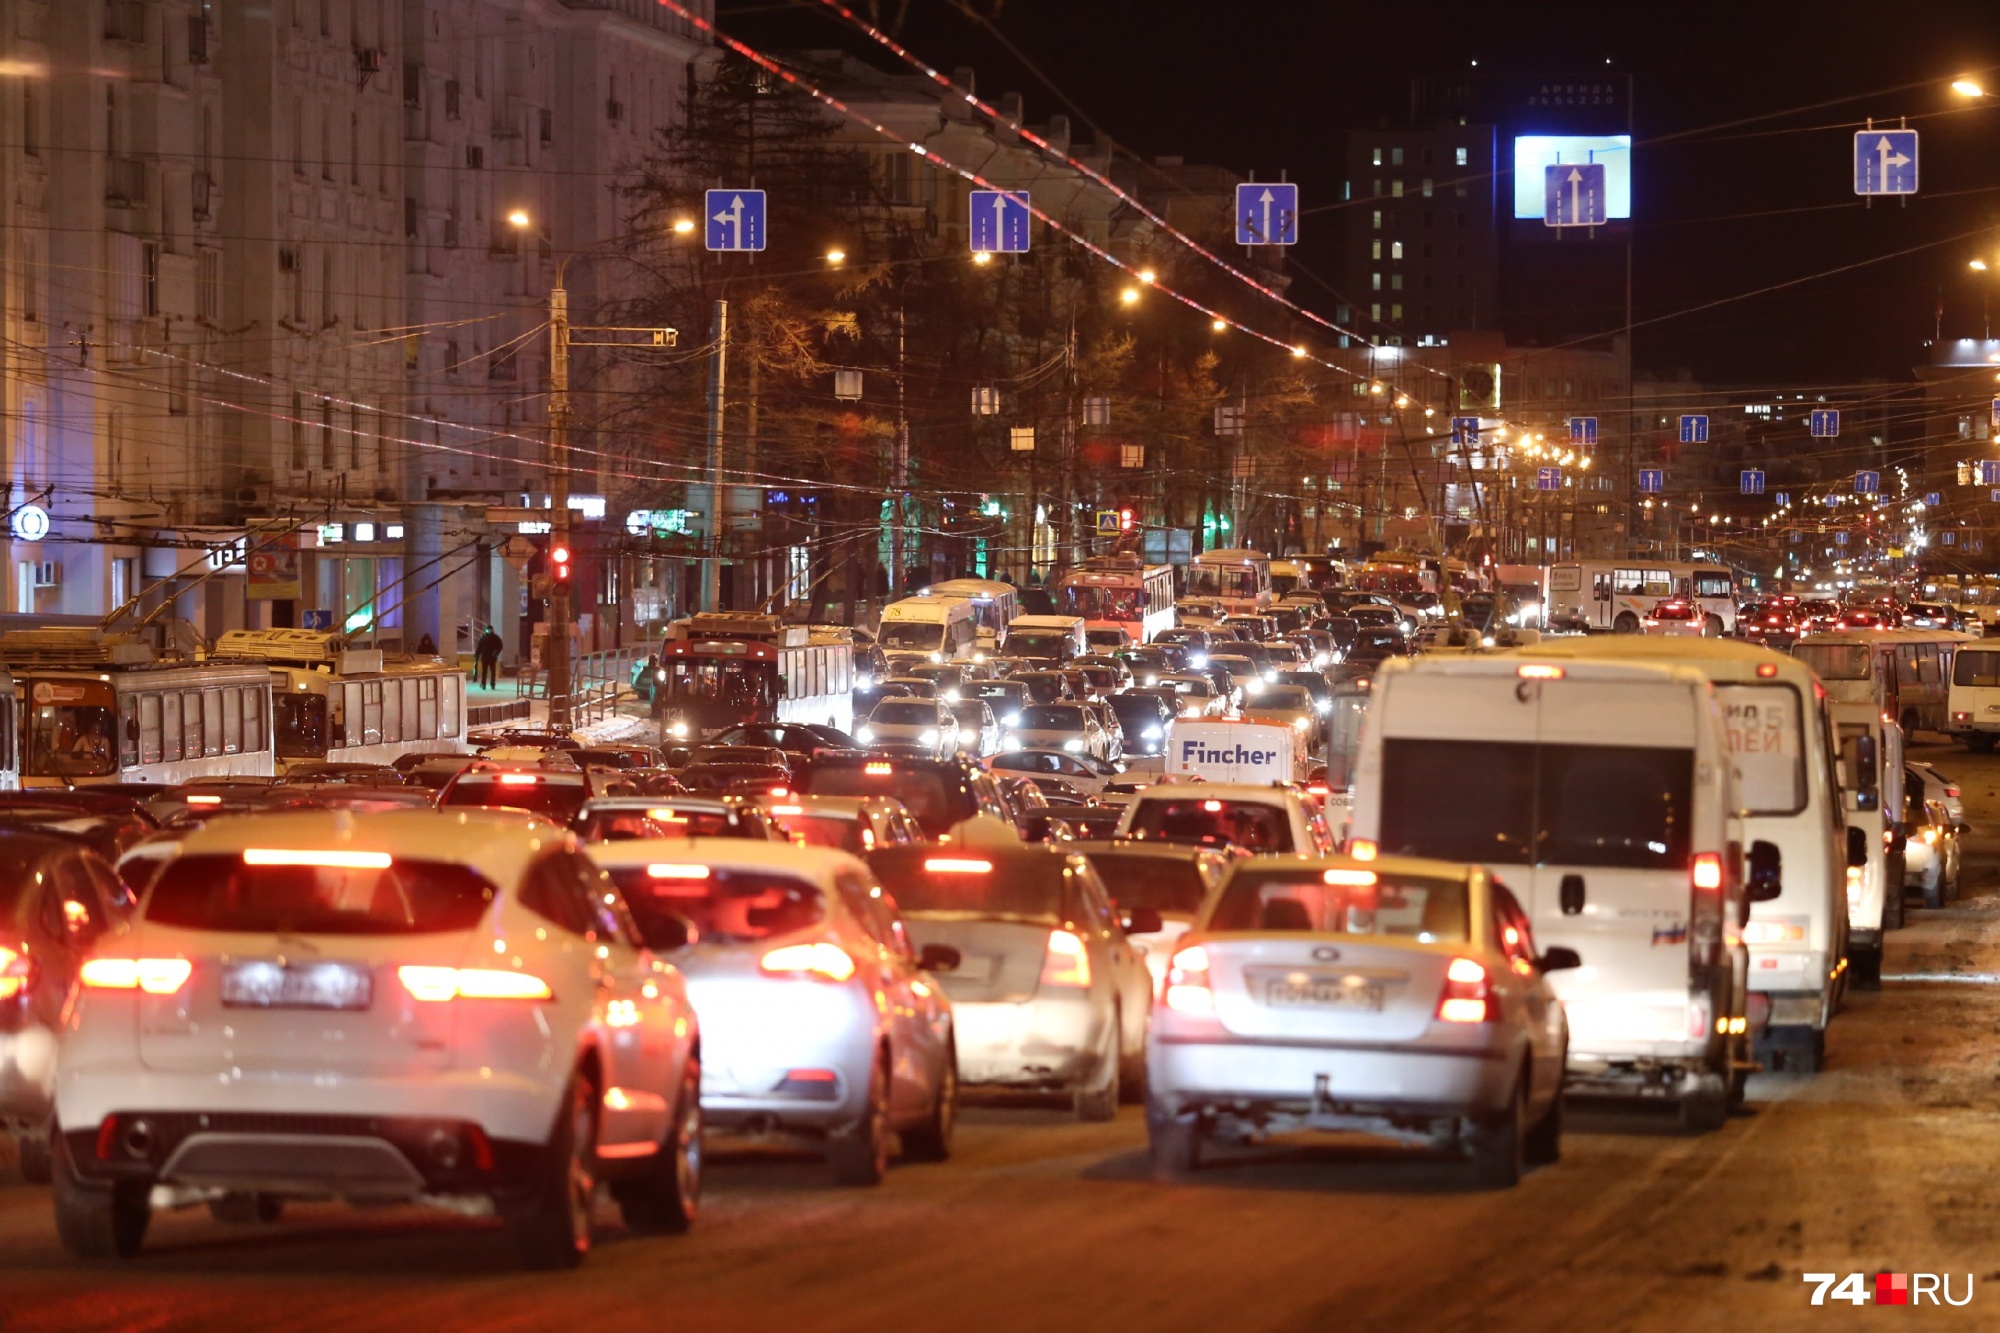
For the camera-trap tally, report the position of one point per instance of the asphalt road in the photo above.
(1884, 1162)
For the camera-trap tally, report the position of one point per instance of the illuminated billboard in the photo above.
(1535, 152)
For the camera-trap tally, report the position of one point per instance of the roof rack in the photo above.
(72, 646)
(299, 647)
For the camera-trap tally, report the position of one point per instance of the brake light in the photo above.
(1541, 670)
(1188, 991)
(878, 770)
(957, 865)
(781, 791)
(788, 809)
(434, 984)
(1708, 871)
(1774, 932)
(1067, 962)
(287, 856)
(1353, 879)
(17, 972)
(1766, 670)
(1929, 835)
(1212, 807)
(822, 959)
(204, 800)
(665, 816)
(155, 976)
(1951, 792)
(663, 870)
(518, 779)
(1468, 994)
(1363, 849)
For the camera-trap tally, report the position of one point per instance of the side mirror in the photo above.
(1857, 847)
(131, 728)
(678, 756)
(1143, 921)
(939, 958)
(1571, 895)
(667, 931)
(1558, 958)
(1766, 879)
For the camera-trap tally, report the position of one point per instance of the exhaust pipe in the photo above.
(138, 1140)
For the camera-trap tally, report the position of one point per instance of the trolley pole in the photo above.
(557, 643)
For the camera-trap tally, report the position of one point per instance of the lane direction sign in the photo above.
(1885, 162)
(1783, 498)
(1933, 499)
(1548, 478)
(735, 219)
(999, 221)
(1267, 213)
(1694, 430)
(1867, 483)
(1652, 480)
(1751, 482)
(1583, 430)
(1989, 472)
(1573, 194)
(1465, 430)
(1825, 422)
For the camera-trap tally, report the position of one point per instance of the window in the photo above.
(1396, 282)
(451, 99)
(1432, 911)
(1377, 183)
(220, 893)
(1395, 316)
(1460, 159)
(1374, 313)
(1375, 157)
(1395, 157)
(1767, 739)
(1375, 281)
(1375, 249)
(1396, 188)
(191, 736)
(211, 722)
(1378, 219)
(1427, 187)
(1461, 218)
(392, 711)
(232, 720)
(1395, 249)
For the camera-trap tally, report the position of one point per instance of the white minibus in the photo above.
(1974, 698)
(944, 629)
(1871, 760)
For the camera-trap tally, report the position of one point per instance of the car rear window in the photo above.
(726, 906)
(904, 711)
(224, 893)
(1163, 883)
(537, 793)
(1975, 668)
(1054, 717)
(842, 834)
(1344, 902)
(663, 822)
(1212, 822)
(938, 798)
(1004, 884)
(1504, 803)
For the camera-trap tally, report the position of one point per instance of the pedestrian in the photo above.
(486, 659)
(427, 647)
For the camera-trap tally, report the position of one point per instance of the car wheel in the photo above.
(32, 1157)
(1627, 623)
(931, 1141)
(1934, 891)
(1892, 910)
(1173, 1143)
(551, 1229)
(1497, 1146)
(1705, 1112)
(97, 1221)
(241, 1208)
(859, 1153)
(669, 1196)
(1866, 968)
(1544, 1143)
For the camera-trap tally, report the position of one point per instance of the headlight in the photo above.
(864, 734)
(928, 736)
(659, 675)
(979, 657)
(1152, 680)
(1323, 705)
(862, 680)
(1488, 641)
(1073, 746)
(1270, 677)
(1320, 661)
(1012, 719)
(1254, 685)
(937, 657)
(1012, 743)
(678, 730)
(951, 696)
(1301, 723)
(1150, 733)
(1198, 660)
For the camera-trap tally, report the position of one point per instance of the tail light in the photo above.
(1067, 962)
(155, 976)
(1707, 872)
(820, 960)
(17, 972)
(1930, 835)
(1468, 994)
(471, 983)
(1951, 792)
(1188, 991)
(1363, 849)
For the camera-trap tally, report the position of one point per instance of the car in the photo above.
(820, 1017)
(1065, 726)
(1245, 677)
(1938, 787)
(1862, 617)
(1423, 974)
(725, 778)
(1932, 856)
(1773, 624)
(1148, 662)
(619, 818)
(414, 1007)
(1171, 881)
(1196, 695)
(1114, 730)
(1194, 641)
(1143, 719)
(798, 740)
(1318, 646)
(556, 794)
(1675, 618)
(710, 753)
(938, 792)
(1197, 613)
(927, 724)
(1043, 686)
(1107, 675)
(1107, 638)
(1085, 772)
(978, 729)
(1005, 697)
(613, 756)
(854, 824)
(1288, 705)
(866, 697)
(1227, 814)
(1049, 994)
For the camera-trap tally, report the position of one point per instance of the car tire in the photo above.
(931, 1141)
(1173, 1144)
(1094, 1105)
(1497, 1146)
(1981, 742)
(1892, 910)
(1627, 623)
(32, 1157)
(242, 1208)
(98, 1221)
(1711, 627)
(667, 1198)
(1544, 1143)
(1866, 968)
(552, 1227)
(858, 1154)
(1934, 893)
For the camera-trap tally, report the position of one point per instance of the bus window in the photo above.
(70, 731)
(453, 687)
(301, 725)
(128, 730)
(427, 708)
(149, 728)
(392, 710)
(232, 720)
(170, 727)
(191, 724)
(211, 722)
(371, 712)
(253, 720)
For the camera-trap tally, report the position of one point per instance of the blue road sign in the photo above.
(1995, 496)
(1784, 498)
(1267, 213)
(735, 219)
(1548, 478)
(1948, 538)
(1652, 480)
(1885, 162)
(1867, 483)
(1996, 411)
(1793, 538)
(1573, 194)
(1932, 500)
(1583, 430)
(1694, 430)
(311, 618)
(1840, 539)
(1989, 472)
(1832, 500)
(999, 221)
(1751, 482)
(1825, 422)
(1465, 430)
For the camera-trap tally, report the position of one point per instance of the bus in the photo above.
(942, 629)
(352, 705)
(994, 604)
(1119, 592)
(1906, 673)
(1238, 578)
(1619, 594)
(100, 707)
(1400, 573)
(722, 668)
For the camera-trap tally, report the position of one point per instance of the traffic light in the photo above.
(1125, 520)
(559, 562)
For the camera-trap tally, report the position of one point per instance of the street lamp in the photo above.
(1977, 266)
(518, 219)
(982, 257)
(1218, 325)
(1129, 296)
(683, 226)
(836, 256)
(1967, 88)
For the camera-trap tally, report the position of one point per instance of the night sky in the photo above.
(1270, 86)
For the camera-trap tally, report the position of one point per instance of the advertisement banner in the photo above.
(273, 571)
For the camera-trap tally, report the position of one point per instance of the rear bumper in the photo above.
(1784, 971)
(1332, 1085)
(1049, 1041)
(27, 1074)
(768, 1045)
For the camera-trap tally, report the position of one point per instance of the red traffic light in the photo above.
(1124, 520)
(559, 556)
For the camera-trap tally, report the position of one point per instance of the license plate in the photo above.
(975, 968)
(1323, 992)
(297, 986)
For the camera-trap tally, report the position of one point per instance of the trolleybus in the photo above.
(723, 668)
(1618, 594)
(352, 705)
(1237, 577)
(1119, 592)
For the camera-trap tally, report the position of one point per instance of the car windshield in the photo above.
(518, 791)
(1017, 885)
(223, 893)
(1235, 666)
(726, 906)
(1975, 668)
(1344, 902)
(1163, 883)
(1835, 661)
(937, 797)
(1285, 696)
(905, 712)
(909, 635)
(1253, 825)
(997, 692)
(1052, 717)
(663, 821)
(1037, 643)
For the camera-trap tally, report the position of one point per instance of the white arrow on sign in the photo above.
(733, 215)
(1575, 188)
(1886, 154)
(999, 221)
(1265, 199)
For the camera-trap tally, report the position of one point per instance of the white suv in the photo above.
(450, 1007)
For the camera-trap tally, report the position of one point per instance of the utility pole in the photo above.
(718, 363)
(899, 468)
(556, 644)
